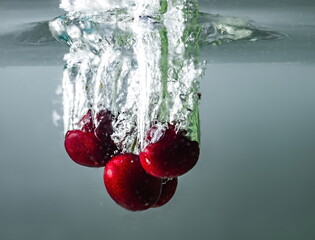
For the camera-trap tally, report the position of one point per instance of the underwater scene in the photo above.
(152, 119)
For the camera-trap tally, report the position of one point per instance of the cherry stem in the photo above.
(134, 144)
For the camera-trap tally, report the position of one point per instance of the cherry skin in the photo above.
(103, 131)
(86, 124)
(104, 127)
(84, 148)
(129, 185)
(168, 191)
(171, 155)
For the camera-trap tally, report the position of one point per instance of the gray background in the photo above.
(255, 177)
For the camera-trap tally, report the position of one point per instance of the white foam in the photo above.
(143, 6)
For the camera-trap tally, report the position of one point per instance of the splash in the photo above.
(131, 90)
(140, 69)
(140, 61)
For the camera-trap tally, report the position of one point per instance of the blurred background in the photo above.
(255, 176)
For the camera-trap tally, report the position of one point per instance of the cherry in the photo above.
(104, 127)
(168, 191)
(86, 124)
(104, 130)
(170, 155)
(84, 148)
(129, 185)
(88, 148)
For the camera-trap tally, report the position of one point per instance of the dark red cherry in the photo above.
(157, 132)
(129, 185)
(168, 190)
(84, 148)
(171, 155)
(104, 128)
(86, 124)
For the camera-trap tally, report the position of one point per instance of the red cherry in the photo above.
(104, 130)
(157, 132)
(84, 148)
(129, 185)
(86, 124)
(172, 155)
(168, 191)
(104, 127)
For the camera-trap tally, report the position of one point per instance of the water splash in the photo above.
(140, 62)
(216, 30)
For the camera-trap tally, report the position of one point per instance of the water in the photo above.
(143, 69)
(255, 173)
(121, 65)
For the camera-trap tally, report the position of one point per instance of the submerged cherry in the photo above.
(88, 148)
(170, 155)
(86, 123)
(168, 191)
(129, 185)
(104, 128)
(84, 148)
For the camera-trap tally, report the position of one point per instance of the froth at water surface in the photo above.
(103, 5)
(216, 29)
(34, 43)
